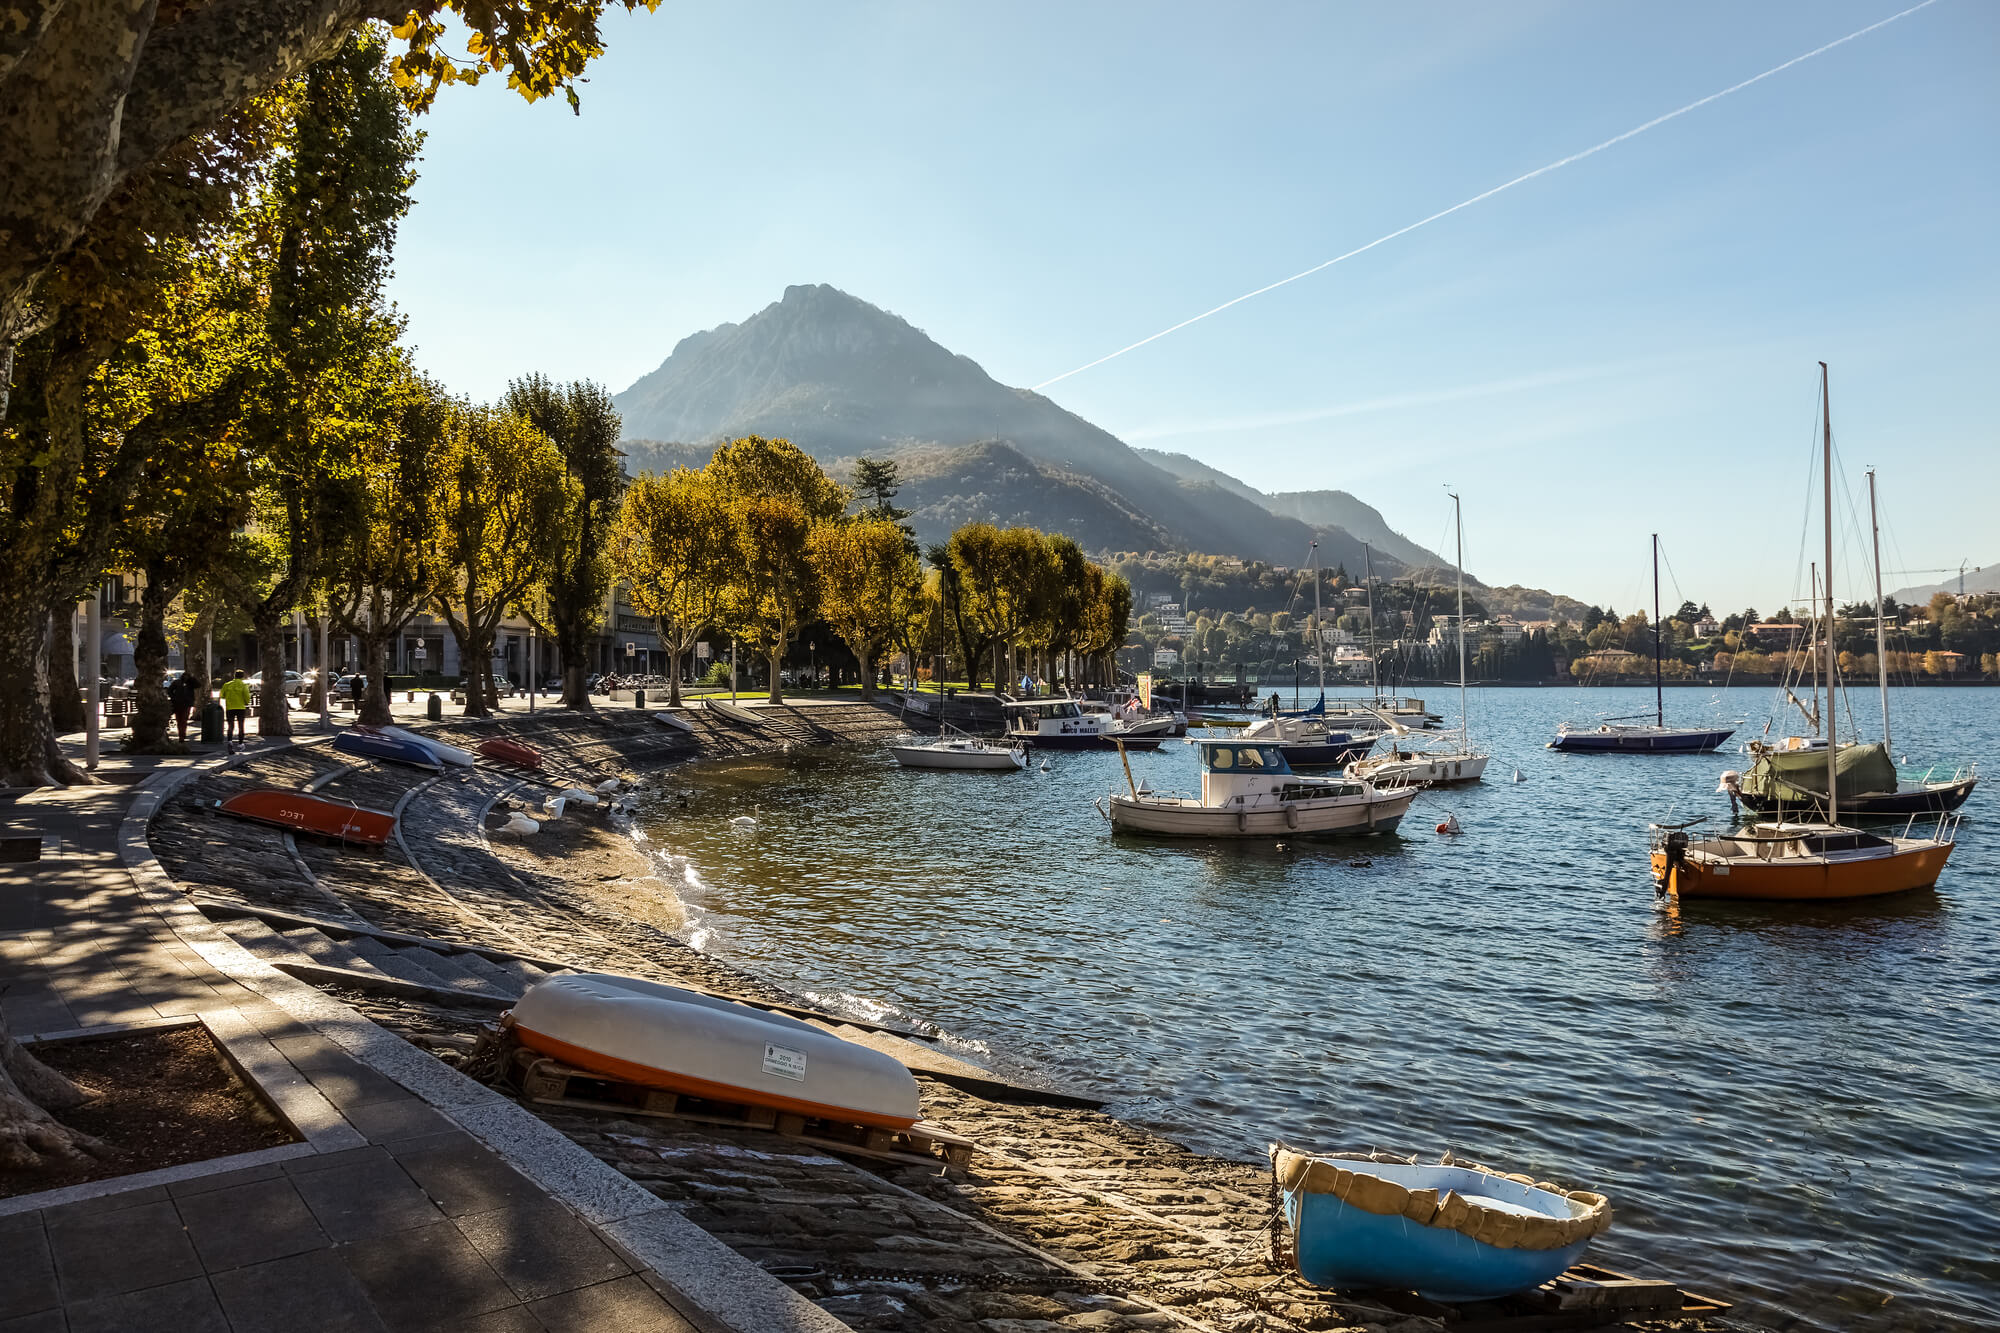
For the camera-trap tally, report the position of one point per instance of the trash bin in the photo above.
(211, 723)
(638, 698)
(435, 708)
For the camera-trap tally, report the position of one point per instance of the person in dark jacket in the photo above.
(181, 696)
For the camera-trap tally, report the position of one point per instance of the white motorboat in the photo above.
(956, 750)
(1063, 724)
(1309, 742)
(1249, 791)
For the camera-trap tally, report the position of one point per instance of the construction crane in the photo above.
(1964, 567)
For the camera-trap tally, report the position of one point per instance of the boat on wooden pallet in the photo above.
(1448, 1231)
(502, 750)
(683, 1042)
(316, 815)
(388, 749)
(545, 1081)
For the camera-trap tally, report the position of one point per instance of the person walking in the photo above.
(180, 697)
(236, 707)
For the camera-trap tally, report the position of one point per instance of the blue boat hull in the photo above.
(387, 749)
(1345, 1247)
(1682, 742)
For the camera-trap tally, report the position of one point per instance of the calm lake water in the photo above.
(1794, 1108)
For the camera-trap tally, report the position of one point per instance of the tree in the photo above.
(393, 559)
(877, 480)
(673, 546)
(584, 425)
(77, 439)
(505, 491)
(92, 94)
(869, 586)
(341, 185)
(774, 590)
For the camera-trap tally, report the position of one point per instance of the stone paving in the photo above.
(389, 1216)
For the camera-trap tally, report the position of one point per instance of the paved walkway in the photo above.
(389, 1216)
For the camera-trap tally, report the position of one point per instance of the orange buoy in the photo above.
(1450, 825)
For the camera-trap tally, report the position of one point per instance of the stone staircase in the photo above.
(327, 952)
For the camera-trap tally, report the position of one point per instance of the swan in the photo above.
(520, 824)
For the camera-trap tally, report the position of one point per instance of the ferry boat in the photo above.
(1062, 724)
(1249, 791)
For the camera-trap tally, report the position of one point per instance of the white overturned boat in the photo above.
(1249, 791)
(665, 1037)
(956, 750)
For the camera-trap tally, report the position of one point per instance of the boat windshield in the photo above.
(1246, 758)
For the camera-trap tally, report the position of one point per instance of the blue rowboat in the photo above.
(1447, 1231)
(387, 748)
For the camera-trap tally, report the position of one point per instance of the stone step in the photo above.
(519, 972)
(448, 971)
(396, 964)
(330, 952)
(262, 941)
(497, 978)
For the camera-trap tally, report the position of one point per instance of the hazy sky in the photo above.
(1622, 346)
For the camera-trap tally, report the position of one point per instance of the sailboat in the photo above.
(1786, 775)
(1630, 735)
(1804, 861)
(1308, 740)
(1453, 760)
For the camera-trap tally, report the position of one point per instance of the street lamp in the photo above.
(812, 657)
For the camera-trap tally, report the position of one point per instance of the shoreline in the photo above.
(1065, 1218)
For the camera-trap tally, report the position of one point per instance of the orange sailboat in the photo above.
(1804, 862)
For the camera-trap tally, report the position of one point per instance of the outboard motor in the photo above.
(1675, 846)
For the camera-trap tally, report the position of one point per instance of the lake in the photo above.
(1791, 1107)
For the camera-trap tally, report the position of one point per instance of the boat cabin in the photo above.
(1239, 772)
(1054, 717)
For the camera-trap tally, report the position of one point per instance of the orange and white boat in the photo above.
(1804, 862)
(661, 1036)
(1799, 862)
(301, 813)
(506, 751)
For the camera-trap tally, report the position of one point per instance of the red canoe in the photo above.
(312, 814)
(511, 752)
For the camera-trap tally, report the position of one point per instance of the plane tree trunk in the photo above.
(149, 666)
(65, 691)
(29, 1090)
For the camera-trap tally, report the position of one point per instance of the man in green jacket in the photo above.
(236, 706)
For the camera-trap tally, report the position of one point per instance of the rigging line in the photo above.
(1488, 194)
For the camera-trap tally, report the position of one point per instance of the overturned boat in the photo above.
(661, 1036)
(297, 812)
(385, 748)
(1447, 1231)
(504, 751)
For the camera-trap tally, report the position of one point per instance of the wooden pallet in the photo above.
(545, 1081)
(1584, 1296)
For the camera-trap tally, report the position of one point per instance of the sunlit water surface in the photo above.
(1796, 1107)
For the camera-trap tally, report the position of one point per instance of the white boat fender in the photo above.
(1519, 776)
(519, 823)
(1291, 816)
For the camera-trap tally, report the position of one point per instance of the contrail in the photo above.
(1538, 171)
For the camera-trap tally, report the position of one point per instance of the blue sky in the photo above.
(1624, 345)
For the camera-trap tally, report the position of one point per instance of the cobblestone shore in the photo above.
(1064, 1219)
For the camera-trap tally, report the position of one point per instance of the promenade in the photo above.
(394, 1211)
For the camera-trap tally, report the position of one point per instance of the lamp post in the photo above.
(93, 634)
(812, 658)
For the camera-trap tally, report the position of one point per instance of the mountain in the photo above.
(841, 378)
(1320, 509)
(1978, 578)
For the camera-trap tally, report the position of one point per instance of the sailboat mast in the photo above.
(1374, 662)
(1458, 526)
(1881, 635)
(1659, 695)
(1319, 645)
(1826, 467)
